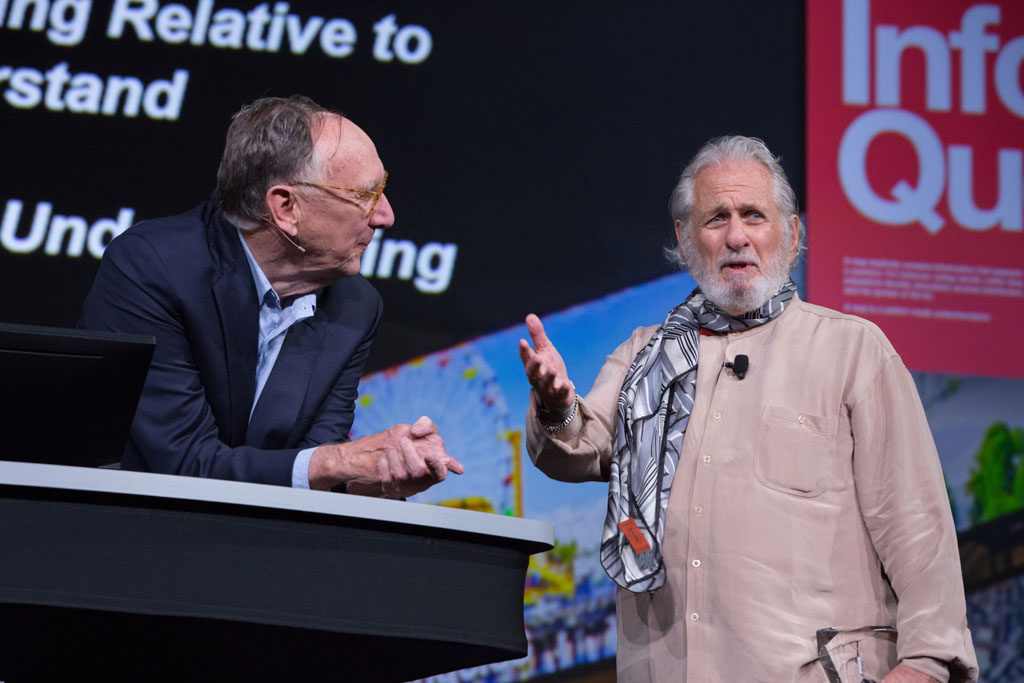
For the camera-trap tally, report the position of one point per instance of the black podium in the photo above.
(110, 575)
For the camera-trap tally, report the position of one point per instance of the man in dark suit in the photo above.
(262, 320)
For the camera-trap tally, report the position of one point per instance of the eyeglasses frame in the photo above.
(375, 193)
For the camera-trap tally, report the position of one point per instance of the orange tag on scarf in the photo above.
(634, 536)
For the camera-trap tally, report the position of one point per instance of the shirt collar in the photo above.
(259, 279)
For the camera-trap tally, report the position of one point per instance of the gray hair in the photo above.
(718, 152)
(269, 142)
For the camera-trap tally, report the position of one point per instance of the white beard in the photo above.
(741, 296)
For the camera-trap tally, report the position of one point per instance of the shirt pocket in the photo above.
(794, 451)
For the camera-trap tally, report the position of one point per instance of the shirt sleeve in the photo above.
(906, 510)
(300, 469)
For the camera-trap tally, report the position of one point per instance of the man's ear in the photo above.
(679, 236)
(794, 249)
(283, 209)
(679, 231)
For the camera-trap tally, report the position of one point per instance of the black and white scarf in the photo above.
(653, 411)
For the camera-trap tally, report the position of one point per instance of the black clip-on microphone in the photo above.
(739, 366)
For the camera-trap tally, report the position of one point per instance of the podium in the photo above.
(111, 575)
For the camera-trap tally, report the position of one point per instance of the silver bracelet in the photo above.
(551, 429)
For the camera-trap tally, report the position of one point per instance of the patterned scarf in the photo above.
(653, 411)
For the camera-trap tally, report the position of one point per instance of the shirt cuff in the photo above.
(300, 469)
(935, 668)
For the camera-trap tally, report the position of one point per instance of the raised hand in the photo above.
(545, 368)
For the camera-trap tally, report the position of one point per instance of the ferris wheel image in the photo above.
(457, 389)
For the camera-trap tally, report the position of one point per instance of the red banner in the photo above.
(915, 175)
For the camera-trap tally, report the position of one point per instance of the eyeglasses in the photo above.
(375, 193)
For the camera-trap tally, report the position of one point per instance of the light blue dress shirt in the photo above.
(274, 324)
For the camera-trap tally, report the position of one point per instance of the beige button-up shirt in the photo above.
(808, 496)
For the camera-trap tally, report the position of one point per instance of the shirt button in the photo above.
(707, 458)
(718, 416)
(694, 617)
(801, 419)
(696, 563)
(699, 509)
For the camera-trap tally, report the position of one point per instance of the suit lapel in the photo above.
(238, 311)
(281, 401)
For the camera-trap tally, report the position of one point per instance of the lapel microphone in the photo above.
(739, 366)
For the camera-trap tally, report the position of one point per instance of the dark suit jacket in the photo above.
(186, 281)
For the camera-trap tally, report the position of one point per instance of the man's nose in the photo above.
(383, 215)
(736, 237)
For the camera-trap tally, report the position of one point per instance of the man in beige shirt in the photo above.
(801, 530)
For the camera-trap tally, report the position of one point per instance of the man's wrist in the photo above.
(552, 416)
(325, 467)
(344, 468)
(557, 421)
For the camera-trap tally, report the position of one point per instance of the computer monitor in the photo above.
(68, 397)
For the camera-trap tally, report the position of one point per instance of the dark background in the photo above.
(543, 138)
